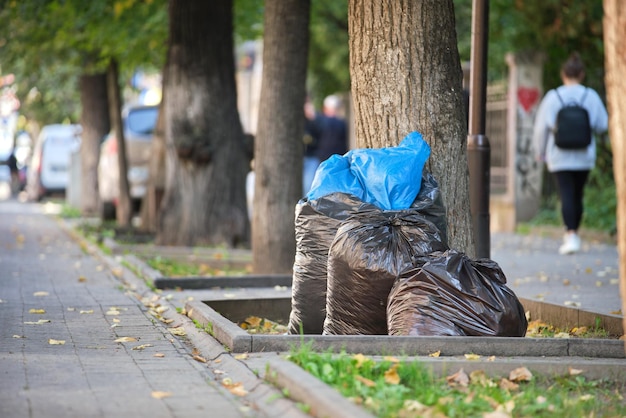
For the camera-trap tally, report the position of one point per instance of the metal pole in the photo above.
(478, 149)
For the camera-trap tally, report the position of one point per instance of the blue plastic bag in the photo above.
(389, 177)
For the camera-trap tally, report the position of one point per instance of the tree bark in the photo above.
(95, 125)
(123, 210)
(204, 201)
(406, 76)
(614, 26)
(278, 148)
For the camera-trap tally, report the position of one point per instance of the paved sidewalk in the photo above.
(63, 312)
(53, 290)
(588, 280)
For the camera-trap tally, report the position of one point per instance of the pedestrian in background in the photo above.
(333, 130)
(570, 167)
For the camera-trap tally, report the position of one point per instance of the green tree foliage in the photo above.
(49, 43)
(329, 70)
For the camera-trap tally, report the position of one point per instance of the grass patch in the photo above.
(394, 388)
(173, 268)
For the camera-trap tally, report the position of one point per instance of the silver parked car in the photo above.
(139, 122)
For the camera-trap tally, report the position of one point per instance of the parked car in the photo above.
(49, 168)
(138, 122)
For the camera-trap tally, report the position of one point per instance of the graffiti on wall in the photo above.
(528, 170)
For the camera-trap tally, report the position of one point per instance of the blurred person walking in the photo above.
(333, 130)
(570, 165)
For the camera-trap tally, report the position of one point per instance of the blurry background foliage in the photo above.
(48, 44)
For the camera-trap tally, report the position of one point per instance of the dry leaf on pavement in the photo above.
(157, 394)
(52, 341)
(37, 311)
(234, 388)
(125, 340)
(41, 321)
(180, 331)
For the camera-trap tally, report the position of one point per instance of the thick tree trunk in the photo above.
(278, 149)
(206, 165)
(615, 64)
(95, 124)
(406, 76)
(123, 211)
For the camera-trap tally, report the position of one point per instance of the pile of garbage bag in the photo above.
(372, 255)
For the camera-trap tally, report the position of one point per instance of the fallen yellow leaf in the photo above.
(40, 294)
(199, 358)
(18, 336)
(180, 331)
(242, 356)
(520, 374)
(391, 376)
(472, 356)
(574, 372)
(458, 378)
(41, 321)
(360, 359)
(435, 354)
(412, 405)
(82, 279)
(52, 341)
(141, 347)
(367, 382)
(506, 384)
(37, 311)
(234, 388)
(112, 312)
(125, 340)
(253, 321)
(90, 311)
(159, 355)
(157, 394)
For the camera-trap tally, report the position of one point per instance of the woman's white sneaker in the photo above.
(571, 244)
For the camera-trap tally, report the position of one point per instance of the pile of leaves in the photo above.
(394, 388)
(256, 325)
(539, 328)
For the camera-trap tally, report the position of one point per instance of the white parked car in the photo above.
(139, 122)
(48, 171)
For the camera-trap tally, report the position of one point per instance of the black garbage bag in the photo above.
(316, 223)
(369, 253)
(429, 204)
(452, 294)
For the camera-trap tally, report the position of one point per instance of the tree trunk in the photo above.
(123, 211)
(95, 125)
(615, 62)
(278, 149)
(406, 76)
(204, 201)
